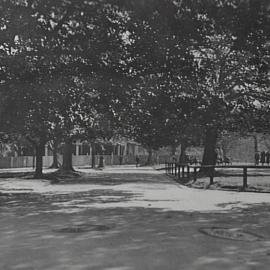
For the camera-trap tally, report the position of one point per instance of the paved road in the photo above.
(127, 218)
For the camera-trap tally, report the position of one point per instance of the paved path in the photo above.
(129, 218)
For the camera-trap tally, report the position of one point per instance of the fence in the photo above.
(183, 171)
(84, 160)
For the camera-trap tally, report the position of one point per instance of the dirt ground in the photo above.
(127, 218)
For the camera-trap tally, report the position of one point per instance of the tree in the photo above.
(209, 47)
(158, 67)
(226, 74)
(208, 61)
(25, 114)
(54, 49)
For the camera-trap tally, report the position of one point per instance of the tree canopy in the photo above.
(159, 69)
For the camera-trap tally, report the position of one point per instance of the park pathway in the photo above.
(127, 218)
(128, 186)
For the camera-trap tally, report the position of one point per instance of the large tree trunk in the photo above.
(149, 157)
(209, 154)
(55, 164)
(67, 156)
(39, 160)
(182, 157)
(93, 165)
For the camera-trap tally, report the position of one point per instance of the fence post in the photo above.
(175, 169)
(244, 177)
(212, 169)
(183, 171)
(188, 171)
(178, 171)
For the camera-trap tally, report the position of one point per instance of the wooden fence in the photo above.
(185, 171)
(84, 160)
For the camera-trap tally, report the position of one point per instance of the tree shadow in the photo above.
(17, 174)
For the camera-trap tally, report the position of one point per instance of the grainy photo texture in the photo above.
(134, 134)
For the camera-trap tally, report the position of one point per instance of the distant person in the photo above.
(101, 162)
(216, 156)
(121, 160)
(137, 159)
(262, 157)
(227, 161)
(267, 158)
(257, 158)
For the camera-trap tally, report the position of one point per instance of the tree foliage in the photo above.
(159, 69)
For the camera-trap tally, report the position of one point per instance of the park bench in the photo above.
(184, 171)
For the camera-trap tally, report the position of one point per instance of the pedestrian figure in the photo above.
(121, 160)
(227, 161)
(257, 158)
(101, 162)
(267, 157)
(263, 157)
(137, 161)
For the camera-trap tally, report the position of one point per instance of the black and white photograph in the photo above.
(134, 134)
